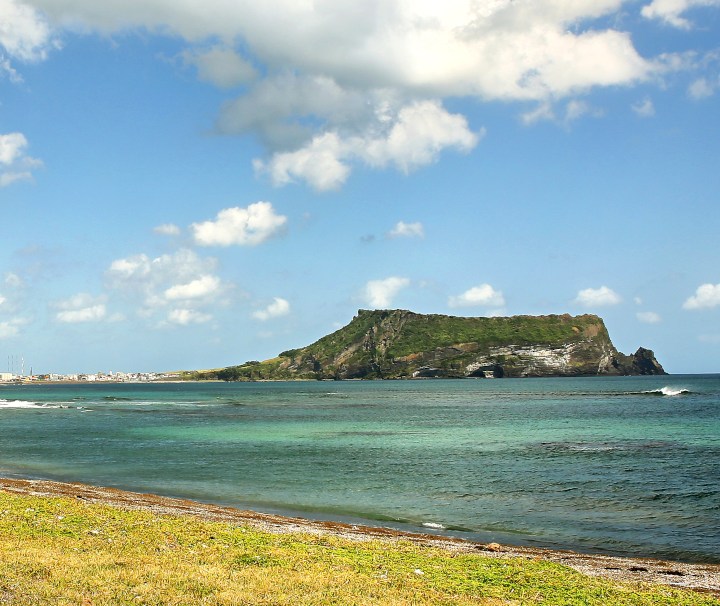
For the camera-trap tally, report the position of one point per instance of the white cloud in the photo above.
(156, 284)
(24, 32)
(201, 287)
(500, 49)
(482, 295)
(320, 164)
(572, 111)
(8, 329)
(167, 229)
(187, 316)
(597, 297)
(702, 88)
(81, 308)
(670, 11)
(648, 317)
(418, 134)
(329, 72)
(11, 147)
(644, 108)
(140, 270)
(242, 226)
(86, 314)
(279, 307)
(380, 293)
(407, 230)
(220, 66)
(15, 164)
(410, 138)
(705, 297)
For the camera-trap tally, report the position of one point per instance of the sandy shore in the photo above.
(703, 577)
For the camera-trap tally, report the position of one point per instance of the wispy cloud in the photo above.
(81, 308)
(183, 283)
(15, 163)
(167, 229)
(671, 11)
(644, 108)
(648, 317)
(407, 230)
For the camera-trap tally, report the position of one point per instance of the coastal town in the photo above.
(99, 377)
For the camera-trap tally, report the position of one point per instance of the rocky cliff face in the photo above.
(399, 344)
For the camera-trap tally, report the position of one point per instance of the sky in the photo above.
(194, 184)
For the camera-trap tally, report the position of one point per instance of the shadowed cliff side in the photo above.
(399, 344)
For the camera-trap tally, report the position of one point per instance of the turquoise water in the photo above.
(624, 465)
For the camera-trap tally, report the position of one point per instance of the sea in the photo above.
(614, 465)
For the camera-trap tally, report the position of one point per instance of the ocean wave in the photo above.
(667, 391)
(25, 404)
(433, 525)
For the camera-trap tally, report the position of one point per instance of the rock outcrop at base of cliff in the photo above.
(399, 344)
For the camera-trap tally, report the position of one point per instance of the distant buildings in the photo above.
(100, 377)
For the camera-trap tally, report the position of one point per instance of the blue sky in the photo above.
(196, 184)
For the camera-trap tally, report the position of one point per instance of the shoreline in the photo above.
(699, 577)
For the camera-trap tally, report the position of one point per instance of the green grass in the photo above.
(63, 551)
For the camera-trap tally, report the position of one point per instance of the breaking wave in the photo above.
(24, 404)
(667, 391)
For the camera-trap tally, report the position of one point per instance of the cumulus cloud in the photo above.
(407, 230)
(499, 49)
(482, 295)
(183, 282)
(648, 317)
(705, 297)
(597, 297)
(671, 11)
(327, 85)
(408, 139)
(24, 32)
(241, 226)
(81, 308)
(379, 294)
(15, 164)
(279, 307)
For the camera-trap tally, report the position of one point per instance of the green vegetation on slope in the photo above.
(394, 343)
(63, 551)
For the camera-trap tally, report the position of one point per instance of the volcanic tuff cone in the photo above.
(399, 344)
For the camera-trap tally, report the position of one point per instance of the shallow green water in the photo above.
(600, 464)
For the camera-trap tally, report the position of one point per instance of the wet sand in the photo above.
(702, 577)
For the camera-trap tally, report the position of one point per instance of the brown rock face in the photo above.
(400, 344)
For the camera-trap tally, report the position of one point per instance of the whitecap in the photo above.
(22, 404)
(668, 391)
(434, 525)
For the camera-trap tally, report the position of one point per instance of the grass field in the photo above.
(65, 551)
